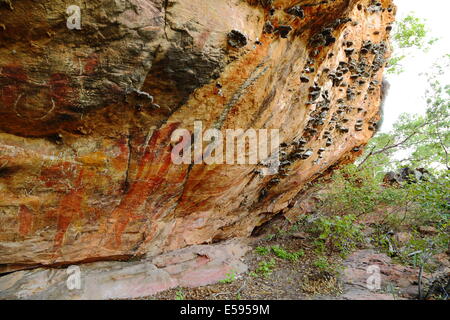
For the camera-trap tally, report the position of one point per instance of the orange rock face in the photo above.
(87, 116)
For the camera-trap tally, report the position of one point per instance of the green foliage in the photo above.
(360, 191)
(424, 203)
(337, 234)
(179, 295)
(230, 278)
(410, 34)
(395, 64)
(327, 267)
(285, 255)
(432, 201)
(357, 191)
(417, 140)
(322, 264)
(280, 253)
(419, 249)
(262, 251)
(265, 268)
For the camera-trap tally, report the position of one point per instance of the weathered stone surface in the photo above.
(407, 175)
(189, 267)
(86, 117)
(396, 281)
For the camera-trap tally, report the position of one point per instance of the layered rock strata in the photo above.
(87, 116)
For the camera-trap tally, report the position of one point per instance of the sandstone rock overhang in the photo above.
(86, 117)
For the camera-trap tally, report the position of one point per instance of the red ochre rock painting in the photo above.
(82, 180)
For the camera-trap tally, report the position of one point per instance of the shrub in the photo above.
(336, 234)
(357, 192)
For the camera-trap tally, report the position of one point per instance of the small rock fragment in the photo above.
(296, 11)
(284, 31)
(237, 39)
(268, 27)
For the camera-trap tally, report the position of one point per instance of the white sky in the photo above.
(408, 89)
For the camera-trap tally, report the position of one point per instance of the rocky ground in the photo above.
(280, 261)
(344, 279)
